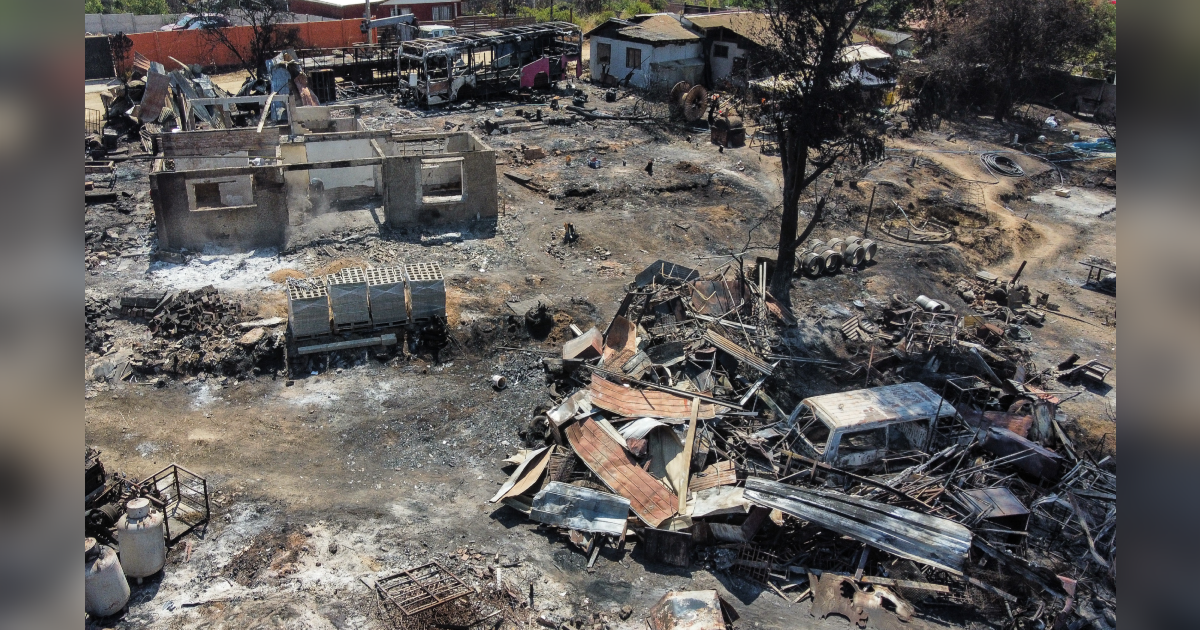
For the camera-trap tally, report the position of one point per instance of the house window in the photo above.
(401, 11)
(443, 12)
(721, 51)
(633, 57)
(603, 53)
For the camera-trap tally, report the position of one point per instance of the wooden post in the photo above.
(870, 205)
(687, 452)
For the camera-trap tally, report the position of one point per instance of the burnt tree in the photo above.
(820, 112)
(996, 48)
(269, 33)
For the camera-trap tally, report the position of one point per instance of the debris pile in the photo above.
(678, 425)
(192, 333)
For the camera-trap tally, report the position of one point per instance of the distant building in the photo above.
(895, 43)
(427, 11)
(731, 40)
(872, 67)
(654, 51)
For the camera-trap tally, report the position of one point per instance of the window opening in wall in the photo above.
(721, 51)
(443, 12)
(633, 58)
(603, 53)
(441, 180)
(208, 195)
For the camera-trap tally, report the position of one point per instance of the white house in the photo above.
(733, 41)
(654, 51)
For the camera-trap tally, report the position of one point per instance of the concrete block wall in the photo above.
(406, 206)
(260, 223)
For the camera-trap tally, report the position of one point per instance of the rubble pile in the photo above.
(192, 333)
(678, 425)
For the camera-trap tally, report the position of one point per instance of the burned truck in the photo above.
(448, 69)
(863, 428)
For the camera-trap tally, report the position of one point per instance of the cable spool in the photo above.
(833, 261)
(871, 248)
(854, 255)
(675, 101)
(695, 103)
(838, 245)
(810, 264)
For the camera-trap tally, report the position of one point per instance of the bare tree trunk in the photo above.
(795, 158)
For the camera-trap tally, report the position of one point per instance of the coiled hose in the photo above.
(1002, 164)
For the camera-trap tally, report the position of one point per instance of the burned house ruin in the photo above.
(241, 189)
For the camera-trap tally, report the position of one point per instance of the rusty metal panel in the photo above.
(719, 474)
(637, 403)
(738, 352)
(932, 540)
(422, 588)
(648, 498)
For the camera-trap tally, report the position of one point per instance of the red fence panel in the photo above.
(196, 47)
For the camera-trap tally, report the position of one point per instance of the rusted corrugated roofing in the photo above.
(640, 403)
(738, 352)
(649, 499)
(936, 541)
(755, 27)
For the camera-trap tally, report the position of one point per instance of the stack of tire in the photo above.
(827, 258)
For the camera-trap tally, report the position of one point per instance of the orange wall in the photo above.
(193, 47)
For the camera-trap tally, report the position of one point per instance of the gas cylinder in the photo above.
(143, 545)
(105, 590)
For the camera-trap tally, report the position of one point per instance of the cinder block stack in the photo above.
(308, 308)
(427, 291)
(385, 290)
(348, 299)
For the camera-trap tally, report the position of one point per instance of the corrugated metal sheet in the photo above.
(648, 498)
(738, 352)
(719, 474)
(586, 510)
(628, 401)
(935, 541)
(904, 402)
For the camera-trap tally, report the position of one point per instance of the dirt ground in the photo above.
(355, 471)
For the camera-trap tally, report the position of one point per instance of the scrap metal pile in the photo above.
(678, 426)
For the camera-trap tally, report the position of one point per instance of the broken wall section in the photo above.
(238, 189)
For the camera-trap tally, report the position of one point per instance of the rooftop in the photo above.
(752, 25)
(656, 27)
(891, 403)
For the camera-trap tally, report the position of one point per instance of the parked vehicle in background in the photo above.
(430, 31)
(192, 22)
